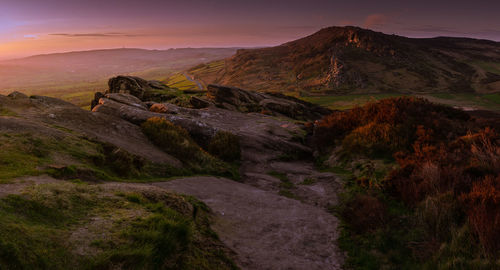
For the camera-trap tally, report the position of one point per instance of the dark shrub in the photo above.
(365, 213)
(225, 146)
(173, 139)
(483, 203)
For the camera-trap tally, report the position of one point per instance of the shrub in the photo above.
(173, 139)
(365, 213)
(176, 141)
(483, 203)
(444, 191)
(225, 146)
(393, 122)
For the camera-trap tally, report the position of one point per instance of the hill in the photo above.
(341, 60)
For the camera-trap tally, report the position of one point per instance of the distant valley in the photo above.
(75, 76)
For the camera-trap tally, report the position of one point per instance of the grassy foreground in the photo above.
(80, 226)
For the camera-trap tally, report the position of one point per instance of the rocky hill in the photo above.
(80, 175)
(356, 60)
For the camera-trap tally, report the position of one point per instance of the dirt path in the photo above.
(189, 78)
(267, 231)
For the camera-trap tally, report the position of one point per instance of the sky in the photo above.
(29, 27)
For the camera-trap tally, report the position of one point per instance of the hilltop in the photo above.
(340, 60)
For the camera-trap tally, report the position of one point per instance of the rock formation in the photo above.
(142, 89)
(236, 99)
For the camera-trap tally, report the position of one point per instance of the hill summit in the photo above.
(355, 60)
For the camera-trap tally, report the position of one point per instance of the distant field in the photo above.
(489, 66)
(347, 101)
(466, 101)
(180, 82)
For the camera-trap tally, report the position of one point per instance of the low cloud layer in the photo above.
(96, 35)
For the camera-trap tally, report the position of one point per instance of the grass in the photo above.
(138, 231)
(21, 155)
(179, 81)
(74, 157)
(225, 146)
(6, 112)
(286, 186)
(493, 98)
(308, 181)
(176, 141)
(343, 102)
(81, 99)
(489, 66)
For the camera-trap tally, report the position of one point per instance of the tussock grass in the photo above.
(160, 231)
(176, 141)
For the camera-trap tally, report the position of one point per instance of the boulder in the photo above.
(17, 95)
(129, 85)
(95, 101)
(140, 88)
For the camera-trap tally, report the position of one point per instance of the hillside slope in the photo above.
(356, 60)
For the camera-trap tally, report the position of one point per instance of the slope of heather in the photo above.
(355, 60)
(422, 184)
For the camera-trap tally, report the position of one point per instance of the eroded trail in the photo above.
(266, 230)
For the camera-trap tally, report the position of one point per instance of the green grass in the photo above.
(489, 66)
(6, 112)
(139, 232)
(25, 154)
(342, 102)
(308, 181)
(176, 141)
(493, 98)
(81, 99)
(179, 81)
(21, 155)
(286, 186)
(479, 101)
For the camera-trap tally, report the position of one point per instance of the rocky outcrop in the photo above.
(52, 117)
(142, 89)
(253, 129)
(236, 99)
(129, 85)
(199, 103)
(17, 95)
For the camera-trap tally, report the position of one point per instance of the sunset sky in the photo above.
(30, 27)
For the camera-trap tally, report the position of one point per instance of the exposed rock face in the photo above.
(236, 99)
(199, 103)
(142, 89)
(129, 85)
